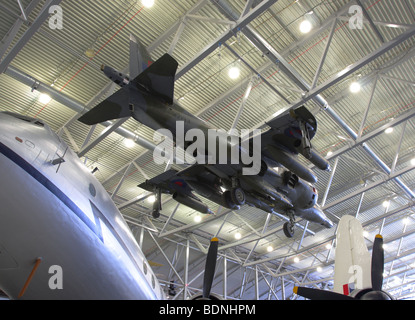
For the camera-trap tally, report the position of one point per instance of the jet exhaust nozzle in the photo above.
(115, 76)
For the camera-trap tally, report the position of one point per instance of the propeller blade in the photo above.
(210, 267)
(377, 263)
(316, 294)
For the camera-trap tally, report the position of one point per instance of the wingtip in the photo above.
(295, 289)
(379, 236)
(132, 38)
(214, 239)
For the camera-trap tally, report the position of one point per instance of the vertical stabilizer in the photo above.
(353, 262)
(140, 59)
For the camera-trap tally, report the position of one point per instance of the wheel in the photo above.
(156, 214)
(288, 229)
(228, 202)
(238, 196)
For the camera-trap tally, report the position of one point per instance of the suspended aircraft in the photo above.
(282, 183)
(61, 235)
(356, 275)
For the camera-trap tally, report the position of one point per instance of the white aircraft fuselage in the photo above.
(53, 208)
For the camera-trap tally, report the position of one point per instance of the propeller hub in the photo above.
(375, 295)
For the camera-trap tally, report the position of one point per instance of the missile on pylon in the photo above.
(317, 160)
(291, 164)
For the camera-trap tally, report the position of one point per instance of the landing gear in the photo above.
(235, 197)
(238, 196)
(157, 203)
(228, 202)
(288, 227)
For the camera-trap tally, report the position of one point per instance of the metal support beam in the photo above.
(186, 270)
(374, 27)
(9, 37)
(242, 105)
(41, 18)
(105, 133)
(225, 277)
(323, 57)
(244, 21)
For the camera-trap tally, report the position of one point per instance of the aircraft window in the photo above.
(38, 123)
(145, 267)
(92, 190)
(153, 281)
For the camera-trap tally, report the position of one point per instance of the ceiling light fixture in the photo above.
(238, 236)
(389, 130)
(270, 248)
(44, 98)
(147, 3)
(355, 87)
(129, 143)
(234, 73)
(197, 218)
(151, 198)
(305, 26)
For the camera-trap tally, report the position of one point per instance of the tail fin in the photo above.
(158, 79)
(140, 59)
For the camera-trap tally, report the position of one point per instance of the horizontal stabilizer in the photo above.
(114, 107)
(158, 78)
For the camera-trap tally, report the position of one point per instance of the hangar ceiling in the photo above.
(372, 173)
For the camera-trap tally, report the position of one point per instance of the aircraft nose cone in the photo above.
(375, 295)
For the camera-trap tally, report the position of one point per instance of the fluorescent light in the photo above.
(44, 98)
(238, 236)
(147, 3)
(234, 72)
(270, 248)
(389, 130)
(129, 143)
(354, 87)
(305, 26)
(385, 203)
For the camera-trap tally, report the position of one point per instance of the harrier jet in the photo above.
(281, 183)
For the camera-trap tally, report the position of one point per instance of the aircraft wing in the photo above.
(169, 182)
